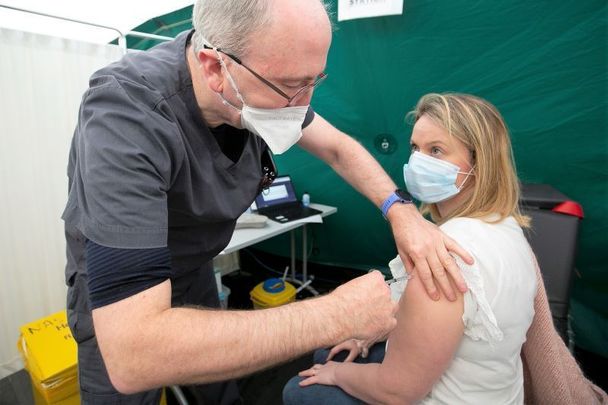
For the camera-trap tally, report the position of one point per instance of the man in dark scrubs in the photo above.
(165, 157)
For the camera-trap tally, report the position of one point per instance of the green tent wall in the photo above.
(542, 63)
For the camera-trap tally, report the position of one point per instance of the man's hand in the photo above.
(354, 347)
(367, 309)
(423, 247)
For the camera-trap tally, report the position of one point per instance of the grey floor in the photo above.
(16, 389)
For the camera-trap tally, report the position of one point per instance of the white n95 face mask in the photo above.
(280, 128)
(432, 180)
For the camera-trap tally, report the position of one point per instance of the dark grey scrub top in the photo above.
(146, 172)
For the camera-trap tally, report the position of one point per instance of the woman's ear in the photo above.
(209, 66)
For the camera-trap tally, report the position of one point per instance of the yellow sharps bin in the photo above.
(273, 292)
(49, 354)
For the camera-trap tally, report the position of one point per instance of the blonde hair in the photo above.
(479, 126)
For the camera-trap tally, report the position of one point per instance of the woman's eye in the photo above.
(413, 148)
(435, 150)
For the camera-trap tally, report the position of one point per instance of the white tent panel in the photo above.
(42, 79)
(122, 15)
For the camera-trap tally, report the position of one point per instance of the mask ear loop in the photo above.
(469, 174)
(230, 79)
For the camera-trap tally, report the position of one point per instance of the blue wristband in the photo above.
(398, 196)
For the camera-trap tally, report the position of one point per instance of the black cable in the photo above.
(298, 275)
(258, 261)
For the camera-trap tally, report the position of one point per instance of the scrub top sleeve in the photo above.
(310, 115)
(125, 162)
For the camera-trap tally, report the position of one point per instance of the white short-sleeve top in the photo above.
(498, 310)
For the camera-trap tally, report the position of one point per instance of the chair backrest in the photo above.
(553, 237)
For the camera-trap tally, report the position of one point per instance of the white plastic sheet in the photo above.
(352, 9)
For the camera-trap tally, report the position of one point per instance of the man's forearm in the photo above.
(146, 344)
(190, 345)
(358, 167)
(348, 158)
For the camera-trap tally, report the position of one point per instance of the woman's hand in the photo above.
(324, 374)
(355, 347)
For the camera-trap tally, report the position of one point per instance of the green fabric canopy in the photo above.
(543, 64)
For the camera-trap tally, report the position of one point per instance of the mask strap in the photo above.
(469, 173)
(226, 102)
(230, 79)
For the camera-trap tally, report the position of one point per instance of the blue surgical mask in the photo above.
(432, 180)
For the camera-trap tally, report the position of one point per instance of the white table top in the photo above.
(245, 237)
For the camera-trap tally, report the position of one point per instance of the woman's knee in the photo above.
(320, 356)
(292, 392)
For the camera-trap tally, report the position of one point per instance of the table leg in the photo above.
(305, 282)
(292, 234)
(305, 262)
(304, 256)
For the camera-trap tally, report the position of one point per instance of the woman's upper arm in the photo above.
(423, 344)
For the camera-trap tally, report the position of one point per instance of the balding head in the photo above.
(232, 25)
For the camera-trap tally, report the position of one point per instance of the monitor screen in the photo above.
(280, 192)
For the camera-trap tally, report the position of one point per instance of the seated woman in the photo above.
(463, 352)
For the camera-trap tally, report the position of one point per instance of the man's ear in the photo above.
(211, 68)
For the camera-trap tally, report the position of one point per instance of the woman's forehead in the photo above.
(426, 130)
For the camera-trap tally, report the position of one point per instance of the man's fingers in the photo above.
(426, 249)
(332, 353)
(408, 263)
(444, 284)
(450, 264)
(441, 277)
(452, 268)
(452, 246)
(352, 355)
(337, 349)
(426, 277)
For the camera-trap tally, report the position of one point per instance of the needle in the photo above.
(396, 279)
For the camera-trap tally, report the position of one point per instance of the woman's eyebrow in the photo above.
(430, 143)
(438, 142)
